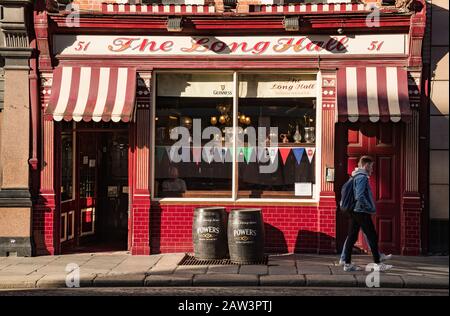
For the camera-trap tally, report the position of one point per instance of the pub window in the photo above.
(283, 108)
(192, 102)
(265, 145)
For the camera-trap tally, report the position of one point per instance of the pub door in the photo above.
(382, 142)
(95, 218)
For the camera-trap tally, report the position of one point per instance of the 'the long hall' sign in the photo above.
(230, 45)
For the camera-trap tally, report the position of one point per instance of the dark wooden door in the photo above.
(382, 142)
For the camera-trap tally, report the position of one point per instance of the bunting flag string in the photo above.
(225, 154)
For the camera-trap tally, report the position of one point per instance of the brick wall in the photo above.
(288, 229)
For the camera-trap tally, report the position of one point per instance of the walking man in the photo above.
(361, 217)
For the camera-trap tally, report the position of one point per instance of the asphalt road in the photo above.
(224, 291)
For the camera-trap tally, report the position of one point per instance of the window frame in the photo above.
(234, 189)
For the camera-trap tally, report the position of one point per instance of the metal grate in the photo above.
(190, 260)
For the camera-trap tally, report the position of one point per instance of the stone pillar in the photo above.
(15, 198)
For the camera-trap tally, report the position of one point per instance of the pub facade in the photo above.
(143, 111)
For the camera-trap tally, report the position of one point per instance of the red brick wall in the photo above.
(288, 228)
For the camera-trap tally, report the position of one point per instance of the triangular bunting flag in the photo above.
(284, 151)
(197, 154)
(171, 153)
(218, 154)
(298, 153)
(208, 154)
(263, 154)
(247, 153)
(273, 153)
(310, 153)
(240, 154)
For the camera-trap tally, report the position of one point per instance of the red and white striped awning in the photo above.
(372, 94)
(92, 93)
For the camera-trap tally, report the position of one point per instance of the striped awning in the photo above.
(92, 93)
(372, 94)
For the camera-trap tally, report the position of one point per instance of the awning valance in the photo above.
(92, 93)
(372, 94)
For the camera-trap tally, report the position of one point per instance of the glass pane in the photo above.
(88, 164)
(189, 166)
(67, 167)
(279, 162)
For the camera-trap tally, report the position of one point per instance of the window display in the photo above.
(274, 148)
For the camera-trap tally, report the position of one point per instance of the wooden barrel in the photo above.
(246, 236)
(209, 233)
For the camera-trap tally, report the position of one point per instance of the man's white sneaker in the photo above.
(350, 267)
(381, 267)
(385, 257)
(341, 262)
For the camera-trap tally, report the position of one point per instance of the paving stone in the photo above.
(254, 269)
(120, 280)
(320, 280)
(425, 282)
(282, 280)
(216, 279)
(282, 270)
(59, 281)
(223, 269)
(169, 280)
(19, 282)
(162, 270)
(386, 281)
(316, 269)
(191, 269)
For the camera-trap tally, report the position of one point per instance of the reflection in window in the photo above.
(184, 100)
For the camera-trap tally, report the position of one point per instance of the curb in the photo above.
(222, 280)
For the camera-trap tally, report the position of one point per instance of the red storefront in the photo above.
(109, 93)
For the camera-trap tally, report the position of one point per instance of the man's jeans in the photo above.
(361, 221)
(342, 258)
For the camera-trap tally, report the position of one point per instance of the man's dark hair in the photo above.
(364, 160)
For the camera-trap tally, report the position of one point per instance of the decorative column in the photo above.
(45, 209)
(140, 168)
(412, 203)
(327, 203)
(410, 227)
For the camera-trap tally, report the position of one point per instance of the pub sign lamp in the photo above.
(175, 24)
(291, 23)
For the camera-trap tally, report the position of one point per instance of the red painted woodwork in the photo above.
(382, 141)
(140, 209)
(46, 221)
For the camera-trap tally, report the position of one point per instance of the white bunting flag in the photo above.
(273, 153)
(310, 153)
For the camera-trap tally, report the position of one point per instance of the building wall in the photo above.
(287, 228)
(15, 202)
(439, 126)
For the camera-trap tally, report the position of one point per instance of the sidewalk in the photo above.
(119, 269)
